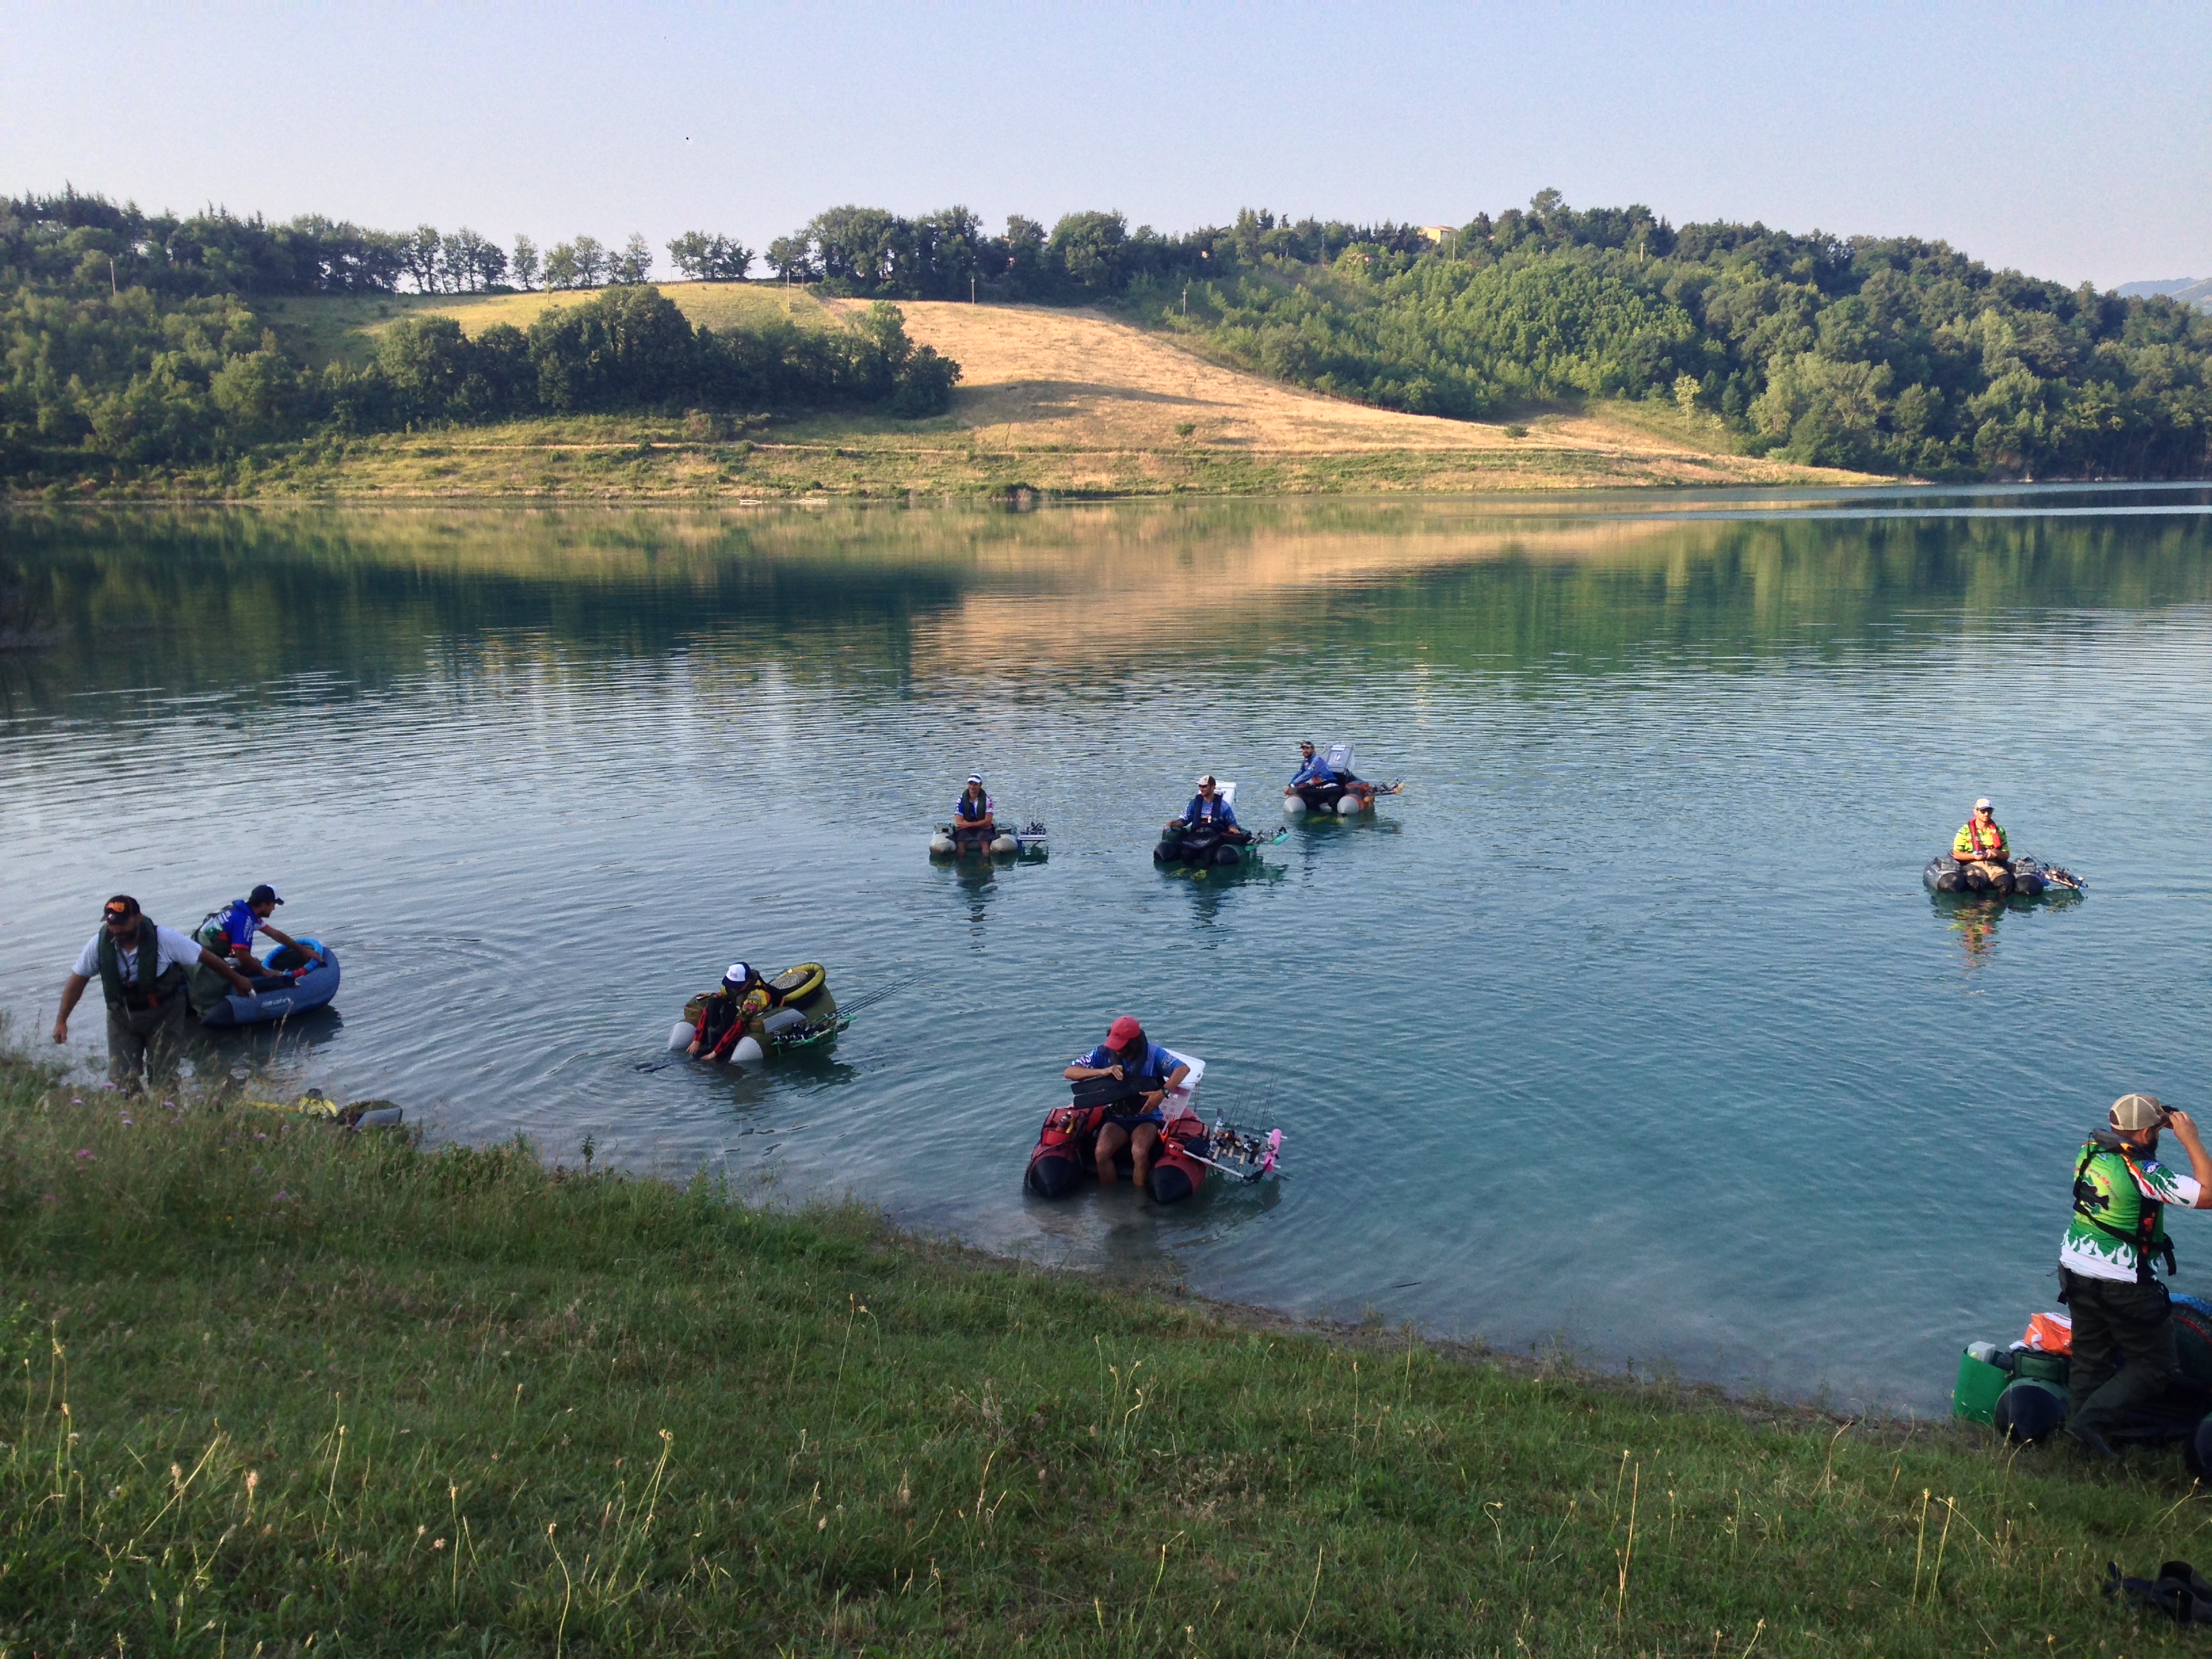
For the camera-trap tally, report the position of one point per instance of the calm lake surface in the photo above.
(1629, 1025)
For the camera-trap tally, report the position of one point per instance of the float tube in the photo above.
(1181, 849)
(1340, 798)
(801, 1014)
(308, 990)
(1066, 1153)
(2030, 879)
(2021, 1391)
(1029, 842)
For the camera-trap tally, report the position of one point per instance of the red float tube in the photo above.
(1066, 1154)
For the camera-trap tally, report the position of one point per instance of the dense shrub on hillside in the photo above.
(1889, 355)
(143, 378)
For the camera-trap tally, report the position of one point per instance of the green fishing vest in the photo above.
(147, 989)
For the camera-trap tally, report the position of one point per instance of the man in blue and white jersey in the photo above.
(1210, 810)
(975, 815)
(230, 933)
(1134, 1058)
(1314, 772)
(233, 927)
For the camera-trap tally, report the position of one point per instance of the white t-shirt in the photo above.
(170, 947)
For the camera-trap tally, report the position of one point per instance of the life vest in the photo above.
(726, 1018)
(1972, 834)
(2148, 1240)
(214, 931)
(147, 990)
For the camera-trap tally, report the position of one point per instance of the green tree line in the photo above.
(76, 239)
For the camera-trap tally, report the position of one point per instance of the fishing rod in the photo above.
(869, 998)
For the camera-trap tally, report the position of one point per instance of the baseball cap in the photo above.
(121, 907)
(974, 777)
(1124, 1031)
(1207, 782)
(2138, 1112)
(1983, 805)
(737, 973)
(264, 894)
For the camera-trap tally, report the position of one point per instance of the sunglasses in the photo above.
(120, 919)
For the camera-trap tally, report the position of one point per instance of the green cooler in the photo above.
(1975, 1398)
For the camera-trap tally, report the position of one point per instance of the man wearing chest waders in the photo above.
(141, 967)
(2119, 1308)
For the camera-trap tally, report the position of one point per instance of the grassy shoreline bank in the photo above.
(274, 1385)
(647, 459)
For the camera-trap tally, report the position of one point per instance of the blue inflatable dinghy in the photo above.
(313, 989)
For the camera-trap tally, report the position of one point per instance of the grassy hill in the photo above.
(1051, 399)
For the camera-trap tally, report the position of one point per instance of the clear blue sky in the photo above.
(2072, 141)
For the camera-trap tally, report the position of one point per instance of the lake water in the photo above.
(1628, 1025)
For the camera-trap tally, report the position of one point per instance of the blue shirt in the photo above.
(1222, 813)
(971, 811)
(1315, 770)
(240, 925)
(1156, 1068)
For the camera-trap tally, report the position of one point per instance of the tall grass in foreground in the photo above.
(277, 1390)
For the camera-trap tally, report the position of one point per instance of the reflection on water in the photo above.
(1974, 918)
(1629, 1022)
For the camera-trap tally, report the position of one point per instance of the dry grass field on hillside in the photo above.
(1044, 375)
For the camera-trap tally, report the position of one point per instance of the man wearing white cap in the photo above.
(1982, 850)
(975, 815)
(2104, 1265)
(731, 1007)
(1209, 808)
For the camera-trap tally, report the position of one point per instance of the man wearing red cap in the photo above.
(1128, 1055)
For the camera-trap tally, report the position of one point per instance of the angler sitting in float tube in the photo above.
(974, 829)
(1131, 1107)
(746, 1018)
(975, 826)
(1145, 1108)
(1981, 861)
(1207, 831)
(1326, 783)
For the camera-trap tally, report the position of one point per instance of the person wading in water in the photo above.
(143, 969)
